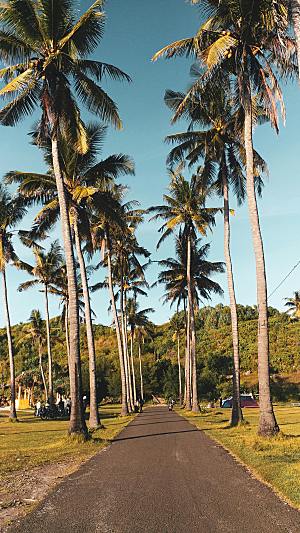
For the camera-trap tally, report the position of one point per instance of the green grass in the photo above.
(275, 461)
(33, 442)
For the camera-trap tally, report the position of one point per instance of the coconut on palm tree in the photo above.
(47, 50)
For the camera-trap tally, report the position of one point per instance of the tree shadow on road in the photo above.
(118, 439)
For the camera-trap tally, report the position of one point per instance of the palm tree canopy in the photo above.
(214, 137)
(87, 181)
(11, 213)
(248, 41)
(47, 48)
(185, 207)
(294, 305)
(46, 268)
(174, 273)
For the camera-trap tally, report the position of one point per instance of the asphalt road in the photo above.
(161, 475)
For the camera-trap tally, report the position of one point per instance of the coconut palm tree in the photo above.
(104, 231)
(135, 318)
(248, 46)
(51, 49)
(218, 145)
(175, 278)
(83, 176)
(294, 305)
(35, 331)
(46, 268)
(185, 207)
(11, 213)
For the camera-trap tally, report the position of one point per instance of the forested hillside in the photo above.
(159, 356)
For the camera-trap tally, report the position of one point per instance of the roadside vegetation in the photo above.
(35, 442)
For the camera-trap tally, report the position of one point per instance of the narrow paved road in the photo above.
(161, 475)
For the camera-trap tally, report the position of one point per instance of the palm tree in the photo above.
(125, 258)
(185, 207)
(136, 318)
(104, 231)
(83, 177)
(174, 277)
(218, 145)
(35, 331)
(294, 305)
(47, 267)
(11, 212)
(248, 46)
(51, 51)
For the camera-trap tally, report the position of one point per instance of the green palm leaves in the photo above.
(50, 48)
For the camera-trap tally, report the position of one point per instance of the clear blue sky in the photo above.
(136, 29)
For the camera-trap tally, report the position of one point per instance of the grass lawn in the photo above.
(275, 461)
(32, 442)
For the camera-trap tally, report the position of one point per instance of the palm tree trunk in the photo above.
(50, 379)
(267, 421)
(141, 372)
(42, 370)
(94, 419)
(236, 414)
(179, 370)
(189, 343)
(191, 312)
(125, 345)
(77, 419)
(295, 5)
(124, 409)
(13, 412)
(67, 329)
(132, 367)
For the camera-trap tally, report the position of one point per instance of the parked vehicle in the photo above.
(247, 400)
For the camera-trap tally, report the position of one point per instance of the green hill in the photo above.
(160, 356)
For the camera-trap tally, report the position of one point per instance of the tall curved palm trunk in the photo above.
(125, 345)
(189, 328)
(236, 414)
(267, 422)
(141, 371)
(124, 409)
(67, 329)
(193, 361)
(132, 366)
(295, 5)
(77, 420)
(50, 378)
(41, 369)
(179, 370)
(13, 412)
(94, 419)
